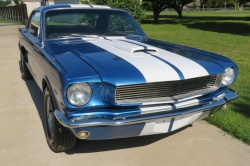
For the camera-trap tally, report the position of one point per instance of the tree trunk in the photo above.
(156, 16)
(179, 11)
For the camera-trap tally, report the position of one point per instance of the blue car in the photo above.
(103, 78)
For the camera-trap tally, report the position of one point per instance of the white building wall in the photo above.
(32, 4)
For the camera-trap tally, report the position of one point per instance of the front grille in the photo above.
(166, 91)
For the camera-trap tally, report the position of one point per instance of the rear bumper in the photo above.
(135, 125)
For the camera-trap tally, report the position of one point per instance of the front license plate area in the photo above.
(169, 124)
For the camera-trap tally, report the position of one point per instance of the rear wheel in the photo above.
(23, 67)
(58, 137)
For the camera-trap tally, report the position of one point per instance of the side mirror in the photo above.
(26, 20)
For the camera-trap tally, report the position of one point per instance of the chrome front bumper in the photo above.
(209, 108)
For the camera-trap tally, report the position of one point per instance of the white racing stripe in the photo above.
(153, 69)
(189, 68)
(89, 6)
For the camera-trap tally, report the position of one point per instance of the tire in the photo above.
(58, 137)
(24, 69)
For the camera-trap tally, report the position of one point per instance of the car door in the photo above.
(31, 38)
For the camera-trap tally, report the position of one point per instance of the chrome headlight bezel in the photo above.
(228, 76)
(79, 94)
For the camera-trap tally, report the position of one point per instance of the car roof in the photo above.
(73, 6)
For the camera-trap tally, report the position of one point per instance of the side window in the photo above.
(120, 23)
(34, 24)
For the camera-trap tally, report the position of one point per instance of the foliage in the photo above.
(4, 3)
(178, 5)
(132, 6)
(15, 1)
(243, 2)
(195, 5)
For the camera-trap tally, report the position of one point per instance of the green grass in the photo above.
(225, 33)
(2, 20)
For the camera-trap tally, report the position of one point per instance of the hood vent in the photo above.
(135, 50)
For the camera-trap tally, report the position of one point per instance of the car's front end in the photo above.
(143, 109)
(116, 83)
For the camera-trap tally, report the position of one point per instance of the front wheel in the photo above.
(58, 137)
(23, 67)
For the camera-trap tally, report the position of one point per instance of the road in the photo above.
(23, 143)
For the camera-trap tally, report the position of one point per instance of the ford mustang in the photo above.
(103, 78)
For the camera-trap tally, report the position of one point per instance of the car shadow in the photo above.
(92, 146)
(37, 97)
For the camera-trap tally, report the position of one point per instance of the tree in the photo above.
(4, 3)
(15, 1)
(157, 6)
(178, 5)
(243, 2)
(132, 6)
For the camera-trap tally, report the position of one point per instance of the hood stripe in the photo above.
(174, 67)
(188, 67)
(207, 60)
(153, 69)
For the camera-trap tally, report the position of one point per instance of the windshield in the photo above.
(90, 23)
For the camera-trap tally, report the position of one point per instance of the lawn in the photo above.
(2, 20)
(225, 33)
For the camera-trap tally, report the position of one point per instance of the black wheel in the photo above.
(58, 137)
(23, 67)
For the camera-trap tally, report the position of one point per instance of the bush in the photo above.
(4, 3)
(134, 7)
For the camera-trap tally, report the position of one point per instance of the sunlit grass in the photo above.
(225, 33)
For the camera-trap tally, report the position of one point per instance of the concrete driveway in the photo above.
(22, 139)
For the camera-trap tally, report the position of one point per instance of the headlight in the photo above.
(79, 94)
(228, 76)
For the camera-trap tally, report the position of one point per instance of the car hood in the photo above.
(121, 61)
